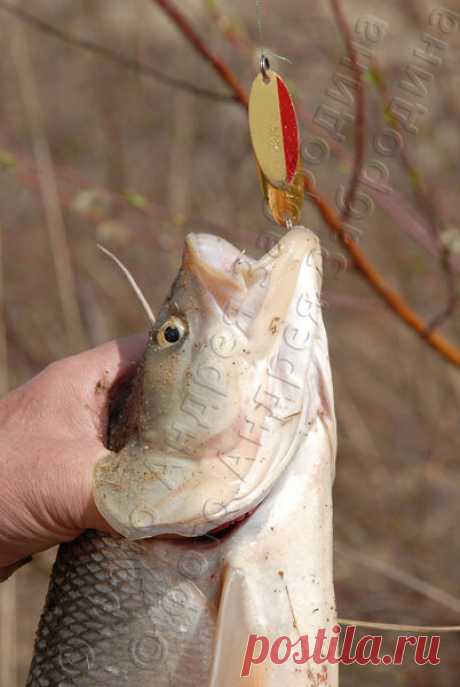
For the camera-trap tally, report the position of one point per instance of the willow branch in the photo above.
(360, 128)
(219, 66)
(110, 55)
(376, 281)
(232, 33)
(453, 295)
(370, 274)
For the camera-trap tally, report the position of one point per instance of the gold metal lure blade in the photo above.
(274, 128)
(275, 138)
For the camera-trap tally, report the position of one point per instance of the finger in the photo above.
(82, 383)
(93, 374)
(106, 364)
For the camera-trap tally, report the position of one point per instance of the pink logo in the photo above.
(368, 650)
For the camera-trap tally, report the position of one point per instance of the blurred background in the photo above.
(101, 146)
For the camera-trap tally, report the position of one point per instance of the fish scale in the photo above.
(110, 616)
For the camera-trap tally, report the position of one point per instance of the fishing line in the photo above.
(259, 23)
(264, 61)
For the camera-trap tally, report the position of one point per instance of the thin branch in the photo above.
(220, 67)
(425, 200)
(110, 55)
(228, 28)
(453, 295)
(50, 193)
(360, 127)
(376, 281)
(390, 627)
(425, 589)
(393, 300)
(413, 173)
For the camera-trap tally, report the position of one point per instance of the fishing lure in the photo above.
(276, 140)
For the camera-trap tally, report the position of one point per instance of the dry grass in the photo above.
(186, 164)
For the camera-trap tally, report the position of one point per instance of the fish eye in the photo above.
(171, 332)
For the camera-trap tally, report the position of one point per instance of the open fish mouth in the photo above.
(222, 400)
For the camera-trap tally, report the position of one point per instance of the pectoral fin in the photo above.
(233, 630)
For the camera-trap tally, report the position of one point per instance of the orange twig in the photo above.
(220, 67)
(393, 300)
(232, 33)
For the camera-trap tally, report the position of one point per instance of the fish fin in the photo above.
(232, 634)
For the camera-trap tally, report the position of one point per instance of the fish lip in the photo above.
(200, 258)
(211, 261)
(214, 251)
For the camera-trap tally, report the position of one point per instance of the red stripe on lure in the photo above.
(276, 141)
(290, 130)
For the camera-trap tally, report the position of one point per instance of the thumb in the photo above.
(92, 375)
(102, 368)
(110, 362)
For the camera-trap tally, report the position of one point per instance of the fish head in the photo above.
(190, 385)
(222, 395)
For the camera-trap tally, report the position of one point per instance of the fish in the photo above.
(218, 483)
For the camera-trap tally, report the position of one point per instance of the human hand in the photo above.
(52, 432)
